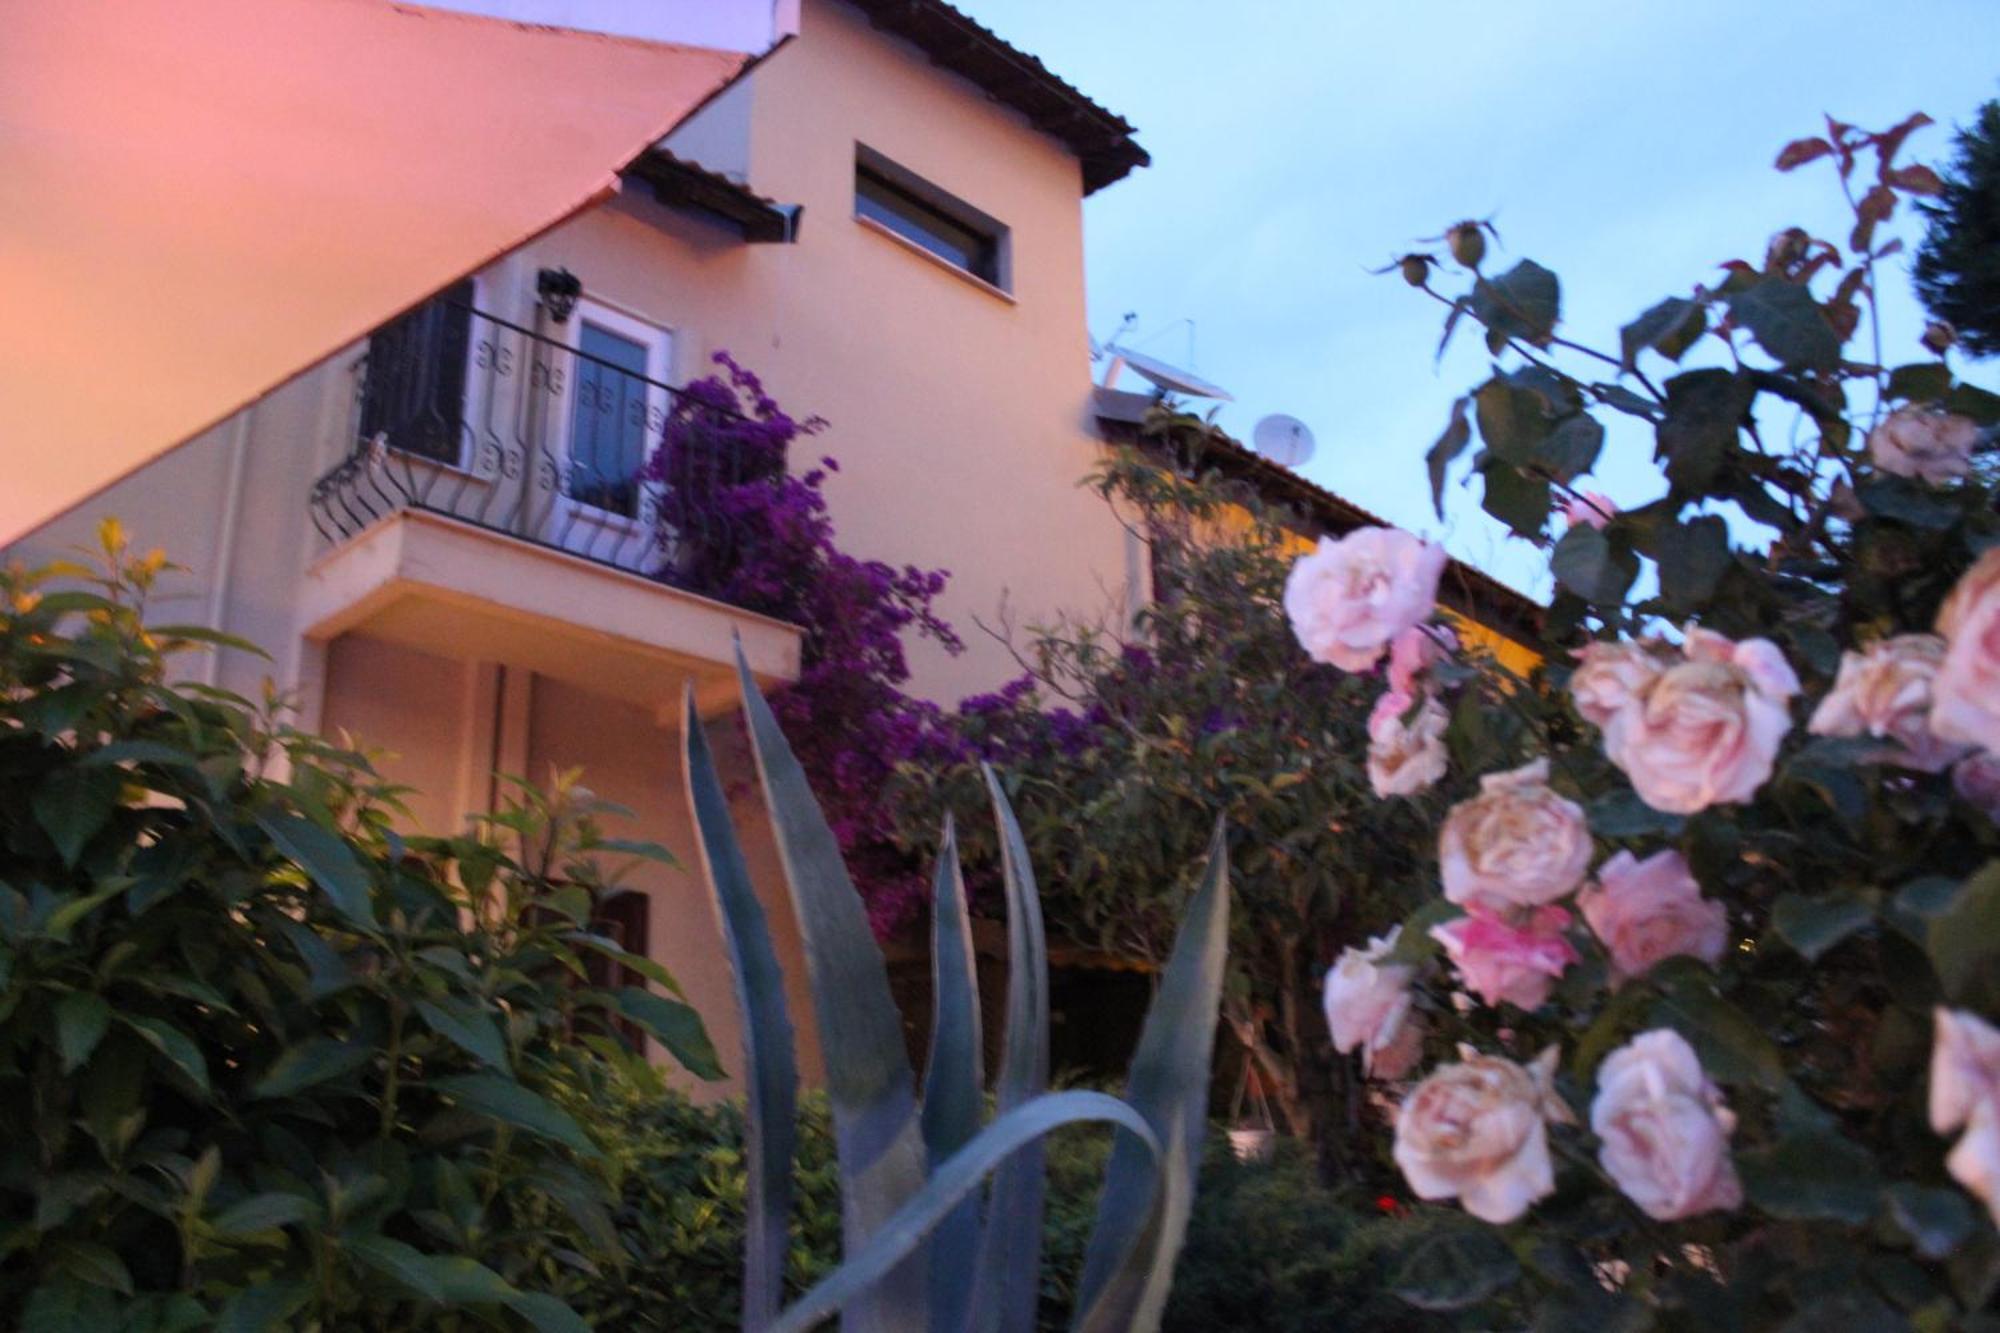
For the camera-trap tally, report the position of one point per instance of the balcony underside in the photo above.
(455, 590)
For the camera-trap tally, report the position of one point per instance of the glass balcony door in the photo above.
(617, 408)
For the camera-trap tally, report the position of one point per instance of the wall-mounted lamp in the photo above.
(557, 289)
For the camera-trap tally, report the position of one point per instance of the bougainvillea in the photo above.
(738, 525)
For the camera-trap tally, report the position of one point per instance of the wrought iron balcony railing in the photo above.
(563, 441)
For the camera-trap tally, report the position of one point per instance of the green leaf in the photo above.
(954, 1078)
(81, 1020)
(1965, 939)
(1587, 563)
(467, 1027)
(771, 1077)
(1515, 498)
(1455, 1269)
(1812, 924)
(869, 1082)
(1787, 323)
(1008, 1276)
(400, 1263)
(545, 1312)
(951, 1183)
(1621, 814)
(139, 752)
(93, 1264)
(264, 1307)
(505, 1100)
(1514, 419)
(65, 1305)
(1732, 1048)
(1415, 944)
(1129, 1263)
(179, 1048)
(264, 1212)
(327, 860)
(1969, 400)
(1907, 501)
(72, 804)
(1571, 449)
(65, 918)
(676, 1026)
(1524, 302)
(1817, 1175)
(651, 969)
(1668, 328)
(1693, 557)
(310, 1063)
(1921, 382)
(1457, 434)
(1705, 408)
(1934, 1219)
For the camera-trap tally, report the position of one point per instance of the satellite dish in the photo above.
(1164, 376)
(1284, 440)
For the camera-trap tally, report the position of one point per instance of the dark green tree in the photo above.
(1958, 264)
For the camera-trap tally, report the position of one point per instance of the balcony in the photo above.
(507, 498)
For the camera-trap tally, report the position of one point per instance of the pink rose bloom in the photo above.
(1885, 690)
(1404, 760)
(1965, 696)
(1477, 1131)
(1515, 961)
(1349, 598)
(1977, 781)
(1706, 730)
(1965, 1093)
(1590, 508)
(1610, 675)
(1516, 844)
(1415, 651)
(1367, 999)
(1648, 910)
(1925, 443)
(1663, 1129)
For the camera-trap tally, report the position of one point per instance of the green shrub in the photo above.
(263, 1062)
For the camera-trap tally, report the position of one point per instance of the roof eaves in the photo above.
(689, 186)
(956, 41)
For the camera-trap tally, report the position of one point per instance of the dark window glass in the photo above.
(620, 918)
(607, 441)
(414, 385)
(971, 248)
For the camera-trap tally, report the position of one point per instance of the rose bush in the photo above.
(1729, 870)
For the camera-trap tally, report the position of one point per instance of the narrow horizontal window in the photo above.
(928, 217)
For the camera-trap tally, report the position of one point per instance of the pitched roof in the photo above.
(953, 40)
(1466, 589)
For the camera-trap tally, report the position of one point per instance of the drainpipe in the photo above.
(225, 547)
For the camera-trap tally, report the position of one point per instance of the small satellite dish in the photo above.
(1284, 440)
(1167, 377)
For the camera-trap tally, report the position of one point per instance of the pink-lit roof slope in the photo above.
(201, 198)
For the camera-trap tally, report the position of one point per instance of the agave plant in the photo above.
(941, 1207)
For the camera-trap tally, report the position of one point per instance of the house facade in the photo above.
(439, 534)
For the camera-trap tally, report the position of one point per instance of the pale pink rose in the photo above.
(1648, 910)
(1706, 730)
(1367, 999)
(1885, 690)
(1517, 960)
(1400, 1055)
(1975, 1162)
(1517, 843)
(1925, 443)
(1478, 1131)
(1965, 1067)
(1349, 598)
(1590, 508)
(1965, 697)
(1977, 781)
(1404, 760)
(1609, 675)
(1965, 1093)
(1663, 1129)
(1415, 651)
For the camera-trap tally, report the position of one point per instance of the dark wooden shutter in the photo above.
(414, 391)
(622, 919)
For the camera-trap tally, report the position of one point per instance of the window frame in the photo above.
(928, 214)
(659, 341)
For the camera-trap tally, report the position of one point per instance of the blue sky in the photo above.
(1627, 146)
